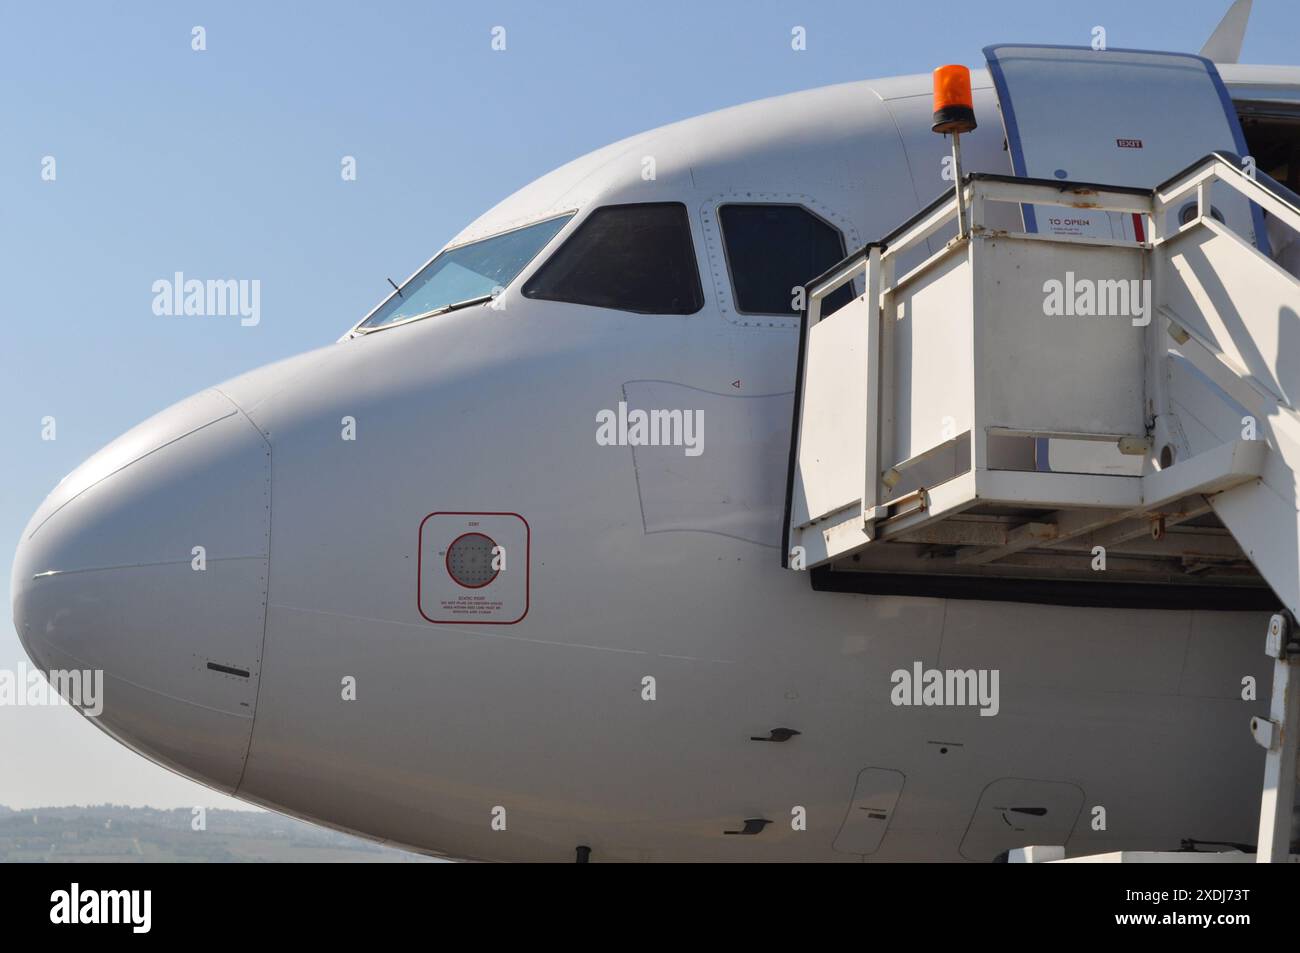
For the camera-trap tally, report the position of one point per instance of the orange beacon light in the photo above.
(954, 112)
(954, 109)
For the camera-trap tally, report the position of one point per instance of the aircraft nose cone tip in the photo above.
(149, 564)
(20, 582)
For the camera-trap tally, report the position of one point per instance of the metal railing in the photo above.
(1231, 170)
(877, 265)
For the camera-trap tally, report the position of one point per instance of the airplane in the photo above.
(499, 575)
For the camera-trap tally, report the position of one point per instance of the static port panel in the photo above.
(474, 568)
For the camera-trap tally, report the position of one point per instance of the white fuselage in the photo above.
(638, 566)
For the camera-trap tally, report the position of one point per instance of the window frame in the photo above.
(726, 253)
(577, 225)
(571, 214)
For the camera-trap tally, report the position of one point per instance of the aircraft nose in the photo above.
(149, 563)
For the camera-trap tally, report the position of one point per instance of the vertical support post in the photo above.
(871, 476)
(975, 210)
(887, 394)
(976, 254)
(956, 169)
(1278, 736)
(1154, 344)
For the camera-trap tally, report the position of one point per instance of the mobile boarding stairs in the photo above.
(1018, 415)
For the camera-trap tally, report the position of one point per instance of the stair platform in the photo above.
(1015, 405)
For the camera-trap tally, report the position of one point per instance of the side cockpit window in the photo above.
(626, 257)
(773, 250)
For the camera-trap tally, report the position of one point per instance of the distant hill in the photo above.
(113, 833)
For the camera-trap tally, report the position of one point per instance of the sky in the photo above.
(227, 162)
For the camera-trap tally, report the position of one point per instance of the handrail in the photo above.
(1236, 163)
(976, 186)
(1273, 189)
(1260, 188)
(947, 196)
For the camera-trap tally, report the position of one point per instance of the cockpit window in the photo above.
(627, 257)
(466, 274)
(774, 249)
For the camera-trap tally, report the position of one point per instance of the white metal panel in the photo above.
(832, 443)
(1206, 415)
(932, 349)
(732, 481)
(1242, 302)
(1120, 117)
(1058, 372)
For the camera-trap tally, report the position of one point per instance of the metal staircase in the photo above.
(1068, 417)
(1060, 413)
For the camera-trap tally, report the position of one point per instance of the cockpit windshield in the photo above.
(465, 274)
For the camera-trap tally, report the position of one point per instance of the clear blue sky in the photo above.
(225, 163)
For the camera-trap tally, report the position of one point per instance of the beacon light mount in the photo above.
(954, 112)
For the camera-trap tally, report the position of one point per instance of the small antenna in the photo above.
(395, 288)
